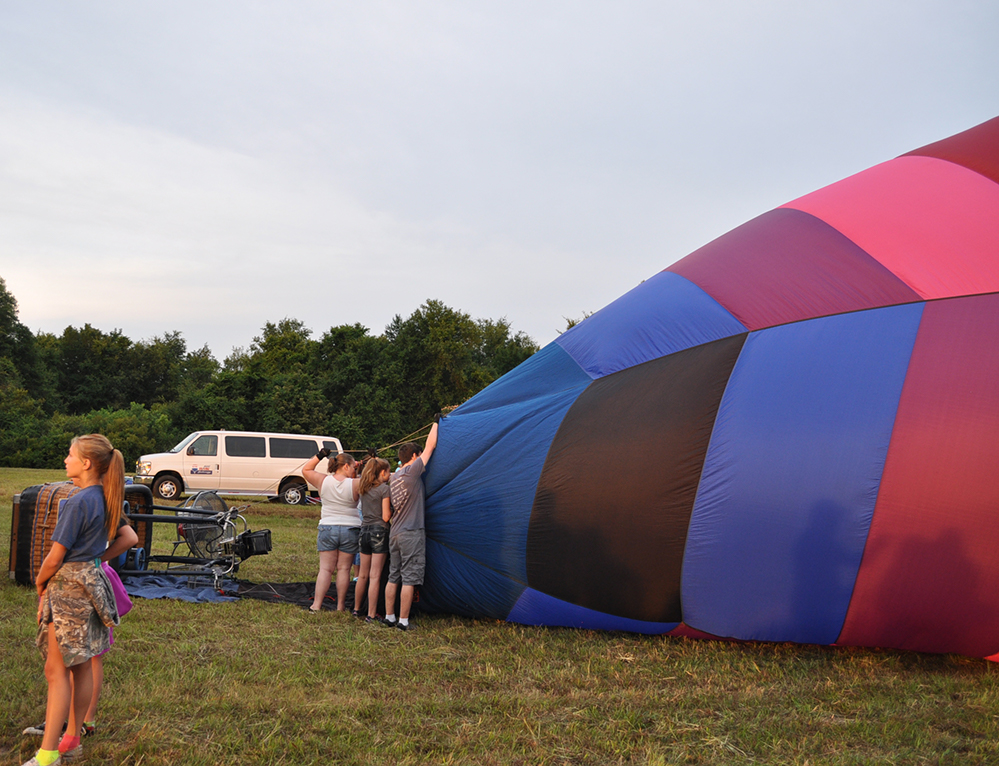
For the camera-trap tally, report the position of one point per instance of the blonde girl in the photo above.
(76, 606)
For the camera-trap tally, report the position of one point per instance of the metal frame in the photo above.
(215, 535)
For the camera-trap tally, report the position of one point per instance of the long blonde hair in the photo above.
(111, 467)
(371, 473)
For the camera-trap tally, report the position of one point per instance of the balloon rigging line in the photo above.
(403, 440)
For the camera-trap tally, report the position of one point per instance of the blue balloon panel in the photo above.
(663, 315)
(547, 372)
(484, 508)
(480, 487)
(457, 584)
(534, 608)
(791, 476)
(480, 423)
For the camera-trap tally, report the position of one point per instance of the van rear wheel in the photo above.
(294, 493)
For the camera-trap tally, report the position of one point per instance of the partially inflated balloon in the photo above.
(792, 434)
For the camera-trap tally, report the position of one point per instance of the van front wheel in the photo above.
(167, 487)
(294, 493)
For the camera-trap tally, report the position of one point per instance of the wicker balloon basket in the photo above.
(35, 512)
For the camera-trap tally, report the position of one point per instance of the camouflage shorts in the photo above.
(69, 605)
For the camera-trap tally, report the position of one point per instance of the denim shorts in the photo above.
(374, 539)
(337, 538)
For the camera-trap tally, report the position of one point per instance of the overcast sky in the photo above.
(211, 166)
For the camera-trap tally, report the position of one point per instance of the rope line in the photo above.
(403, 440)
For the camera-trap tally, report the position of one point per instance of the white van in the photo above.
(235, 463)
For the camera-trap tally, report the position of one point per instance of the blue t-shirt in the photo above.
(80, 526)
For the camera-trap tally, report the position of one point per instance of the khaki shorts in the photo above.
(407, 557)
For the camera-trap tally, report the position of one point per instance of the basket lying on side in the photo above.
(35, 513)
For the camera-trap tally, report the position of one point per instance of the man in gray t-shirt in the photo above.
(407, 540)
(408, 495)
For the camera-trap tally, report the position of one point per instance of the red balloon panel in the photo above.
(977, 149)
(927, 578)
(785, 266)
(931, 223)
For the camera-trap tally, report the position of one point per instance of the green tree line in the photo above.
(367, 390)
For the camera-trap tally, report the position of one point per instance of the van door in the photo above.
(290, 454)
(201, 463)
(246, 468)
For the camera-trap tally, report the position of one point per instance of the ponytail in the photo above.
(114, 493)
(338, 461)
(111, 467)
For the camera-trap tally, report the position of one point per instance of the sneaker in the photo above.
(87, 729)
(34, 761)
(410, 626)
(74, 754)
(355, 613)
(389, 623)
(372, 620)
(39, 731)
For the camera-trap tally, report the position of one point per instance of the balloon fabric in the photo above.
(788, 435)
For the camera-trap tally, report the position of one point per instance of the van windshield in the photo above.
(187, 440)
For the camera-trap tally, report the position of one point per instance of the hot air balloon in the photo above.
(792, 434)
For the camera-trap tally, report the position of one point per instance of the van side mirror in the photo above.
(190, 450)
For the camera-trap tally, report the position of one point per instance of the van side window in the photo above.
(302, 449)
(204, 446)
(331, 446)
(245, 446)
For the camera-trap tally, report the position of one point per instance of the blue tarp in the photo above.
(174, 586)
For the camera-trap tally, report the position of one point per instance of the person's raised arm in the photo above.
(309, 472)
(428, 450)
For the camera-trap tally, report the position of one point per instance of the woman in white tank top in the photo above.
(339, 524)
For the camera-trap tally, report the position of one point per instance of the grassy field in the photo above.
(256, 683)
